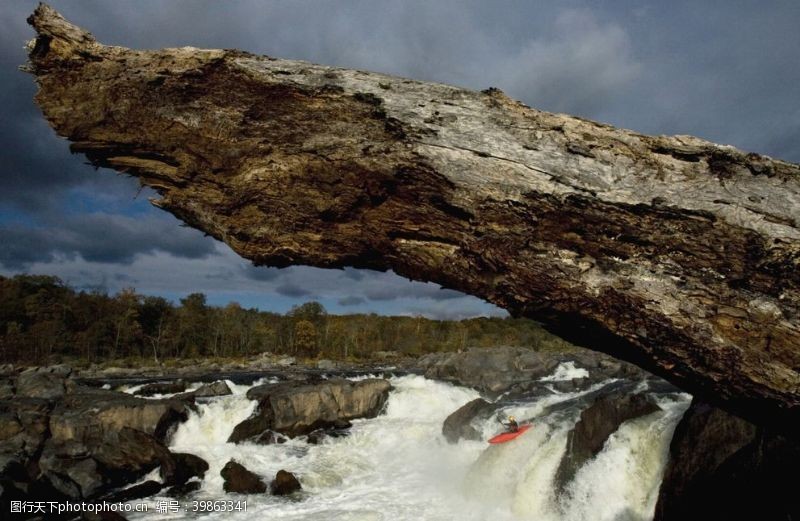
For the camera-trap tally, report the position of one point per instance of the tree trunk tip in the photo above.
(57, 40)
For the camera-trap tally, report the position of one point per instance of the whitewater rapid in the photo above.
(398, 466)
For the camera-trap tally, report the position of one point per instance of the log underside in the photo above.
(674, 253)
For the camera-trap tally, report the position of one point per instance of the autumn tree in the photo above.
(305, 338)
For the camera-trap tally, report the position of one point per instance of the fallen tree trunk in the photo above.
(672, 252)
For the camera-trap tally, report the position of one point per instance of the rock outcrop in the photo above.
(293, 409)
(597, 422)
(86, 411)
(64, 441)
(43, 382)
(459, 426)
(239, 479)
(521, 370)
(98, 463)
(675, 253)
(724, 467)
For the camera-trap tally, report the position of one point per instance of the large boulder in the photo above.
(597, 422)
(100, 440)
(492, 370)
(239, 479)
(43, 382)
(723, 467)
(284, 484)
(187, 466)
(218, 388)
(294, 409)
(459, 425)
(102, 461)
(87, 410)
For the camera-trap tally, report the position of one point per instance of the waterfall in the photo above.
(398, 466)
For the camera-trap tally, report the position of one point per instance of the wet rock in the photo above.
(176, 386)
(339, 429)
(239, 479)
(723, 467)
(257, 428)
(190, 486)
(102, 461)
(43, 382)
(218, 388)
(284, 484)
(187, 466)
(458, 425)
(596, 424)
(294, 409)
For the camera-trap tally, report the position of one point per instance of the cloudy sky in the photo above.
(727, 71)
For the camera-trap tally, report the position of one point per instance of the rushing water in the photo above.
(398, 466)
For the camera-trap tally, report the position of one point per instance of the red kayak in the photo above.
(508, 436)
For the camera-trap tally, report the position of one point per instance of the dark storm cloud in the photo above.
(98, 238)
(260, 273)
(393, 291)
(37, 167)
(351, 300)
(292, 290)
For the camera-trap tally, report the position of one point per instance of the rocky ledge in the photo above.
(60, 440)
(288, 409)
(63, 439)
(518, 371)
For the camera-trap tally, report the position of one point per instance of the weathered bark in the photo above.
(672, 252)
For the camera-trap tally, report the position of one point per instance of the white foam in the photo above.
(566, 371)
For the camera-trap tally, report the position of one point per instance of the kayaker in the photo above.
(512, 425)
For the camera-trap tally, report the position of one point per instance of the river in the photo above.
(398, 466)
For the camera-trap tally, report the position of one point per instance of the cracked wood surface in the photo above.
(672, 252)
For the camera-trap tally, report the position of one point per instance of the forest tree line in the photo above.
(41, 318)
